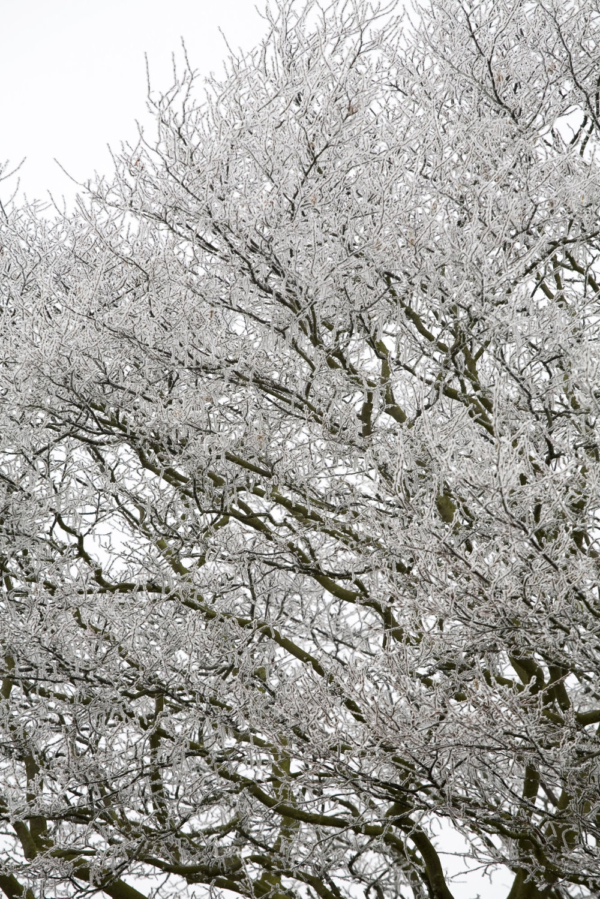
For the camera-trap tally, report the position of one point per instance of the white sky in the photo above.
(74, 80)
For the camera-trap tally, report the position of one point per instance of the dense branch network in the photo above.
(300, 475)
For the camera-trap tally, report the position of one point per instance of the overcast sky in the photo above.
(73, 75)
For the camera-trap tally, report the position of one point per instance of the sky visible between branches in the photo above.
(74, 76)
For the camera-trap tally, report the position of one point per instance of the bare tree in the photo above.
(300, 474)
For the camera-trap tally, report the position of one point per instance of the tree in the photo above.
(300, 474)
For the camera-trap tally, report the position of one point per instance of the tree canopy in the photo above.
(300, 474)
